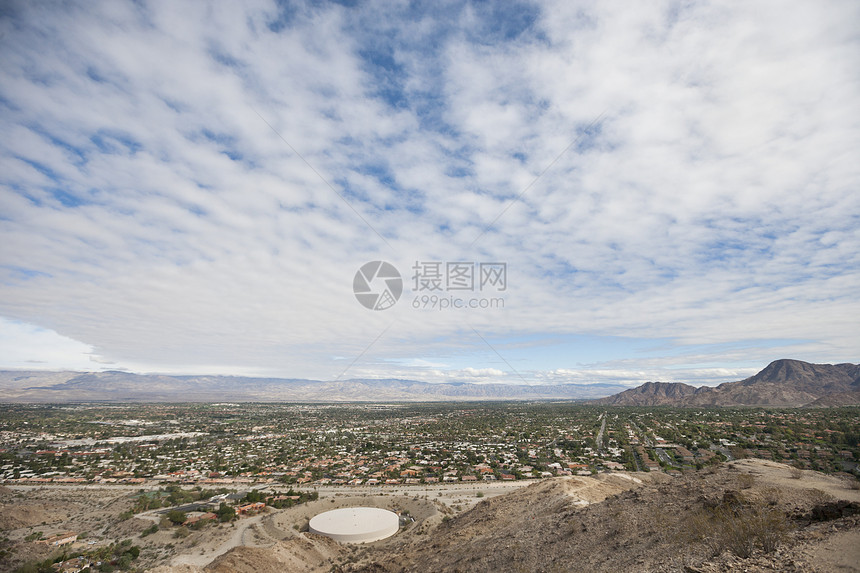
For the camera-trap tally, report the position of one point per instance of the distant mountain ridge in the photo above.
(114, 386)
(651, 394)
(787, 383)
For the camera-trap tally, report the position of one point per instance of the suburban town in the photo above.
(132, 485)
(238, 445)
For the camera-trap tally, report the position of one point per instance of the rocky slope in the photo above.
(785, 383)
(621, 522)
(652, 394)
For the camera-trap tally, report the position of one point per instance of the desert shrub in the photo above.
(201, 524)
(746, 481)
(796, 473)
(770, 495)
(770, 527)
(818, 496)
(181, 532)
(176, 517)
(738, 452)
(739, 529)
(30, 567)
(664, 524)
(700, 528)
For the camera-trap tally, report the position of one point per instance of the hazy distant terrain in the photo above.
(784, 383)
(39, 386)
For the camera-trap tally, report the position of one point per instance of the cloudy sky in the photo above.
(670, 189)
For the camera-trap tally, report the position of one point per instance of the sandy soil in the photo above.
(464, 495)
(841, 552)
(300, 551)
(609, 522)
(781, 476)
(25, 510)
(587, 524)
(95, 510)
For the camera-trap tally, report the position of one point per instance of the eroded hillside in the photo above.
(797, 521)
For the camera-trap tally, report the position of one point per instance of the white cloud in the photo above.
(24, 346)
(150, 213)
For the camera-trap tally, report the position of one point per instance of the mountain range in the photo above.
(114, 386)
(786, 383)
(783, 383)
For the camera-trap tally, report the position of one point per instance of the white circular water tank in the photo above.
(356, 524)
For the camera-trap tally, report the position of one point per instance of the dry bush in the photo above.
(739, 453)
(620, 522)
(771, 495)
(746, 481)
(818, 496)
(772, 526)
(854, 484)
(796, 473)
(664, 524)
(181, 532)
(739, 529)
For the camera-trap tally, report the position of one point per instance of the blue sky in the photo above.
(191, 187)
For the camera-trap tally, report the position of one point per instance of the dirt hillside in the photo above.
(795, 521)
(666, 524)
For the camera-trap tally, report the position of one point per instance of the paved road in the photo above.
(635, 459)
(666, 458)
(646, 441)
(724, 451)
(489, 488)
(599, 440)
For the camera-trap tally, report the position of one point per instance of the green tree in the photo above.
(176, 517)
(225, 513)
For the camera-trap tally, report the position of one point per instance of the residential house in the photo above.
(61, 539)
